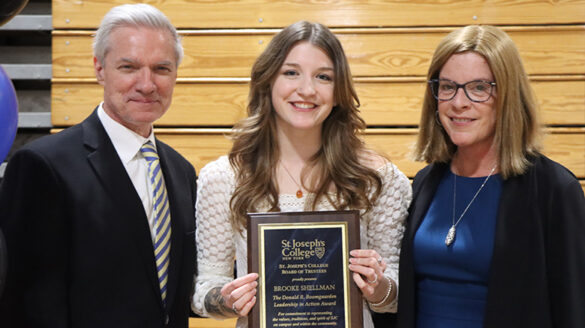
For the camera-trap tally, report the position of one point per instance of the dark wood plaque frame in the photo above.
(291, 219)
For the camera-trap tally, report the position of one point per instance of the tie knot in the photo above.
(149, 152)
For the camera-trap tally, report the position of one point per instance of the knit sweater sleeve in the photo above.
(215, 242)
(384, 224)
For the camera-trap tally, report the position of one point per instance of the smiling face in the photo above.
(469, 124)
(138, 76)
(303, 90)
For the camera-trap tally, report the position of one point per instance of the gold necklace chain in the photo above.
(450, 238)
(299, 192)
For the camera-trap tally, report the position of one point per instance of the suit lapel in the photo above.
(110, 171)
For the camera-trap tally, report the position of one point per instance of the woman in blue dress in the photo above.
(496, 231)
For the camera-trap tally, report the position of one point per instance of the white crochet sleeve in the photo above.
(384, 224)
(215, 242)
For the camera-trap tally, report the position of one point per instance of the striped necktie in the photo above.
(162, 216)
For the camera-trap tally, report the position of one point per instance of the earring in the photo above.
(437, 119)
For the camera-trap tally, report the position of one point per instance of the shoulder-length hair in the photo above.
(255, 154)
(518, 133)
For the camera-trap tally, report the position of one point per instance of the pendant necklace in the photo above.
(299, 192)
(450, 238)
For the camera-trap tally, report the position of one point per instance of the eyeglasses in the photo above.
(476, 91)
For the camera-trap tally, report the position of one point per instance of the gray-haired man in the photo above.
(99, 219)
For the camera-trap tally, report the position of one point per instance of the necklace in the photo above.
(300, 191)
(450, 238)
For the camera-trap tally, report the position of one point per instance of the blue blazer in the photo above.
(537, 275)
(80, 252)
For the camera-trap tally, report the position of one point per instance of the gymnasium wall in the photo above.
(389, 45)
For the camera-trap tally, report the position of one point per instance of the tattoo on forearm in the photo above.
(214, 303)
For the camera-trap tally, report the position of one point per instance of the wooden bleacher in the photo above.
(74, 14)
(211, 323)
(389, 45)
(200, 146)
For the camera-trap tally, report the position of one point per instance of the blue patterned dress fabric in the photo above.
(162, 217)
(452, 280)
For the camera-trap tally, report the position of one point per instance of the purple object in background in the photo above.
(8, 114)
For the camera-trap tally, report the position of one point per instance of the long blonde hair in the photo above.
(518, 133)
(255, 153)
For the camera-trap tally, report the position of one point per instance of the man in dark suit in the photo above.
(96, 235)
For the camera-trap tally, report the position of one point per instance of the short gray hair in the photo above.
(135, 15)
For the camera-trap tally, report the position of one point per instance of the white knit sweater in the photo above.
(218, 244)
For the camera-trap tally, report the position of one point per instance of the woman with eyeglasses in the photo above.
(496, 231)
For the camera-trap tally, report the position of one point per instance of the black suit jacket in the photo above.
(79, 247)
(537, 275)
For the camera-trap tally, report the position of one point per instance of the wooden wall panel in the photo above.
(200, 146)
(355, 13)
(562, 101)
(373, 53)
(567, 146)
(397, 145)
(212, 323)
(384, 102)
(199, 104)
(389, 44)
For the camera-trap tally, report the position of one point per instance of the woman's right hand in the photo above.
(240, 294)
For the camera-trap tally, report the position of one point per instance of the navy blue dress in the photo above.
(452, 280)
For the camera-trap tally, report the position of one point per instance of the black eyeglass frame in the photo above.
(462, 86)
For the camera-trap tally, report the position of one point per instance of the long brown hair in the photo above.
(255, 153)
(518, 133)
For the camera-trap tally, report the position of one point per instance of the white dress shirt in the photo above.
(127, 144)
